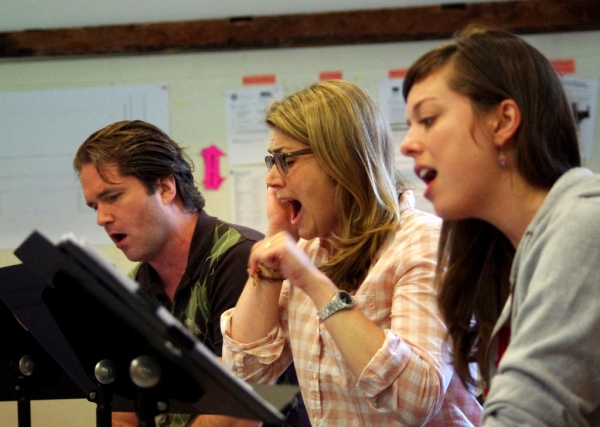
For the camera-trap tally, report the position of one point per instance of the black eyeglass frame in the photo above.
(280, 160)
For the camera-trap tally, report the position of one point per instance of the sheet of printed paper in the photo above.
(393, 107)
(583, 95)
(247, 133)
(249, 196)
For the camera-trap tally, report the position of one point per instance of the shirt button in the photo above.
(315, 376)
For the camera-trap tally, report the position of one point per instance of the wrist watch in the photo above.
(341, 301)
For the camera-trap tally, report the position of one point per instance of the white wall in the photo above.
(197, 85)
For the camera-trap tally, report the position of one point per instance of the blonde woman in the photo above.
(343, 282)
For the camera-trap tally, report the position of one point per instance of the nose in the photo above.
(274, 178)
(103, 216)
(409, 147)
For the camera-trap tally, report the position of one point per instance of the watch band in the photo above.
(342, 300)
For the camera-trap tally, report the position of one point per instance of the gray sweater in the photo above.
(550, 372)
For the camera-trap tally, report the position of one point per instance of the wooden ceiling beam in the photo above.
(303, 30)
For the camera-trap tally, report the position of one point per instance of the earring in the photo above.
(502, 159)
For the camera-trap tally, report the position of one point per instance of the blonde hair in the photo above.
(353, 144)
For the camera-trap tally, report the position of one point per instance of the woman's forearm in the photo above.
(257, 311)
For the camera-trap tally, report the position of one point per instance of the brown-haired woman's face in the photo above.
(307, 189)
(451, 147)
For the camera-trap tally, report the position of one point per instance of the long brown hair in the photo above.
(353, 144)
(475, 258)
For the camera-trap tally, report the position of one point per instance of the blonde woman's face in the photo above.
(307, 188)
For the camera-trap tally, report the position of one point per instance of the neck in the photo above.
(516, 210)
(171, 264)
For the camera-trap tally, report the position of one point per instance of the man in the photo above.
(141, 185)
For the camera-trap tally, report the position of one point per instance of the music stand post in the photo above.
(27, 371)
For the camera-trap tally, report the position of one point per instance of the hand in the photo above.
(281, 254)
(279, 215)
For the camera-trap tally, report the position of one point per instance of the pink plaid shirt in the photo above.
(409, 381)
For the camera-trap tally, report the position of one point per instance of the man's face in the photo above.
(137, 222)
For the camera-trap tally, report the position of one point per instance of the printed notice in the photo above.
(393, 107)
(247, 133)
(391, 103)
(583, 95)
(249, 197)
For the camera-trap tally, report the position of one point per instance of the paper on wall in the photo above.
(393, 108)
(249, 196)
(583, 95)
(247, 133)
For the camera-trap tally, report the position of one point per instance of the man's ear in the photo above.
(506, 119)
(166, 188)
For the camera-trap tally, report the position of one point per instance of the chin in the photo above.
(445, 212)
(306, 235)
(133, 257)
(450, 214)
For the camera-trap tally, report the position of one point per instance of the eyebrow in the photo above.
(100, 196)
(417, 108)
(419, 105)
(279, 150)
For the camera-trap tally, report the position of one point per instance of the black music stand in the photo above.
(133, 352)
(27, 371)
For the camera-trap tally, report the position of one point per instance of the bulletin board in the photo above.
(41, 131)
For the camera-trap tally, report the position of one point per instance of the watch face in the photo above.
(345, 297)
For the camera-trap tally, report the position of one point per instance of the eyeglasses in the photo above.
(280, 160)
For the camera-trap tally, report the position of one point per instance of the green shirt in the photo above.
(215, 276)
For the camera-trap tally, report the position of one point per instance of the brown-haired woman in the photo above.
(493, 137)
